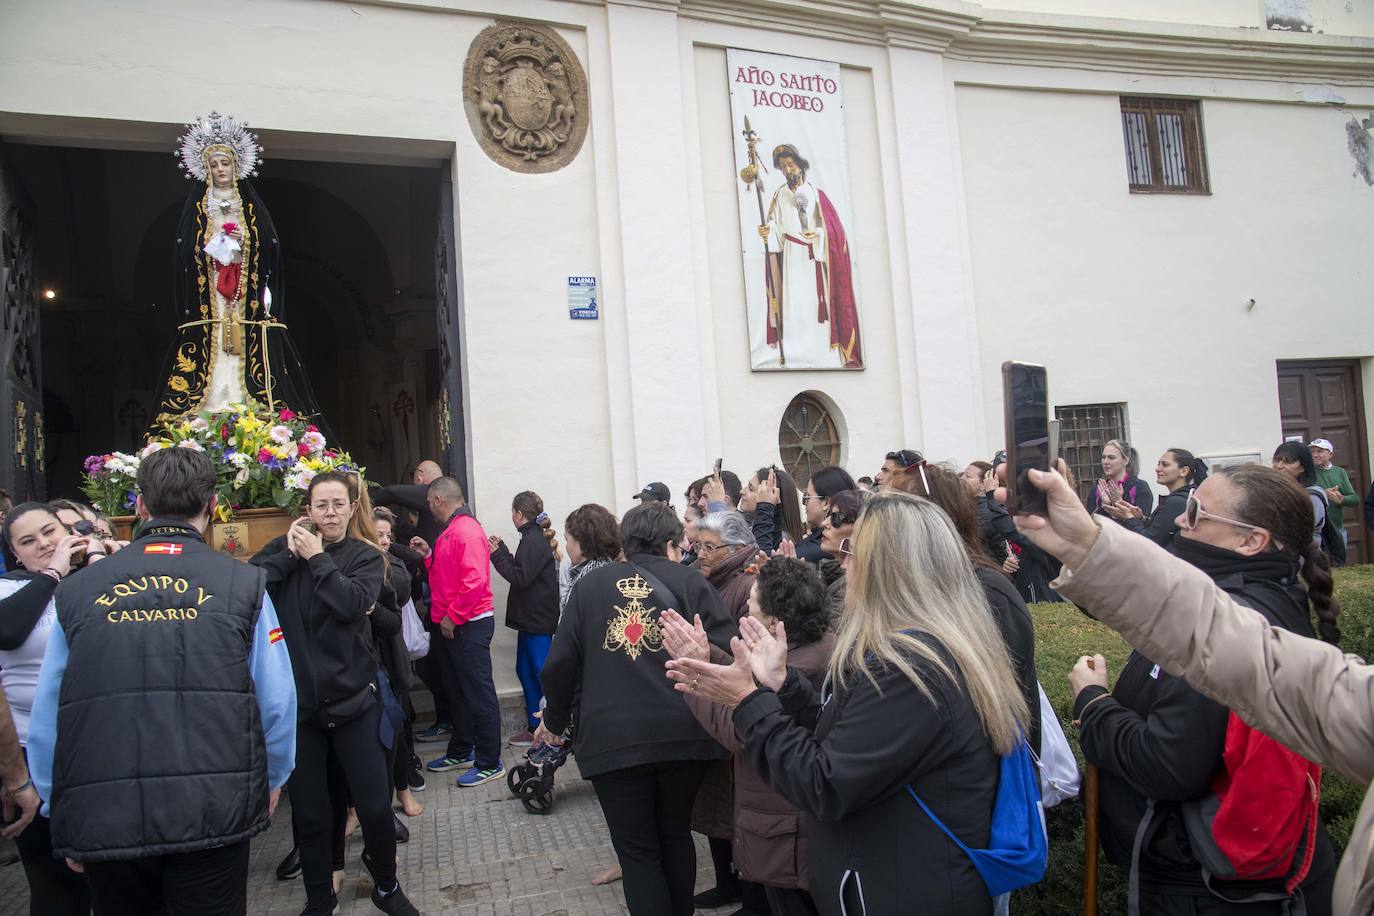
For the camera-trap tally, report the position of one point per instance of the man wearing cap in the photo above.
(655, 492)
(1334, 480)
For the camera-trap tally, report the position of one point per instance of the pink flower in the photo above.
(280, 434)
(312, 442)
(286, 414)
(312, 428)
(264, 456)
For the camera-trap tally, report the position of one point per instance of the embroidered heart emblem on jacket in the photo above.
(633, 630)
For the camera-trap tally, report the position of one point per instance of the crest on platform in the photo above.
(525, 94)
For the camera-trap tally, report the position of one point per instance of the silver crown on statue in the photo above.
(217, 132)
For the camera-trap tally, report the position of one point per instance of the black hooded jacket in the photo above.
(1160, 526)
(1156, 737)
(532, 571)
(323, 606)
(608, 658)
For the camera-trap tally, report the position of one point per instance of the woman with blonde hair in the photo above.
(920, 692)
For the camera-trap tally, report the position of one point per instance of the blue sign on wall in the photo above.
(582, 298)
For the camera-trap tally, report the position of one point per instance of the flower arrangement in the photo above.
(263, 460)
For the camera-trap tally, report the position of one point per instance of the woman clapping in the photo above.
(919, 692)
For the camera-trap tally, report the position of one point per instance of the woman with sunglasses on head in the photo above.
(325, 575)
(1180, 472)
(1294, 460)
(823, 484)
(920, 691)
(836, 530)
(39, 552)
(1119, 481)
(1247, 529)
(1013, 618)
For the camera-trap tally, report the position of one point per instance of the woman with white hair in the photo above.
(920, 692)
(725, 550)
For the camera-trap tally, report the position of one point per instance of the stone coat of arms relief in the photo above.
(525, 94)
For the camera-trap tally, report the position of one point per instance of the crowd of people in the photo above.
(832, 683)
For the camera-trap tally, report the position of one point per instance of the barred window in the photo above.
(1164, 151)
(808, 436)
(1083, 430)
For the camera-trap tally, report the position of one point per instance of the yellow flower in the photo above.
(249, 423)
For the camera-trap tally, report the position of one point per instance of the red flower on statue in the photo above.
(287, 414)
(229, 228)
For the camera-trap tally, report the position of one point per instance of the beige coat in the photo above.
(1303, 692)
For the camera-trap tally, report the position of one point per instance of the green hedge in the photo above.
(1062, 635)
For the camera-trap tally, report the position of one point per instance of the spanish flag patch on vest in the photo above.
(171, 550)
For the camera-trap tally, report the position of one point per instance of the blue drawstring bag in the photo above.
(1018, 848)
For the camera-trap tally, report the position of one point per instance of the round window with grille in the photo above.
(808, 437)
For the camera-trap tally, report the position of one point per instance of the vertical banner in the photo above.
(794, 212)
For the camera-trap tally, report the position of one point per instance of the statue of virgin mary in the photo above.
(231, 344)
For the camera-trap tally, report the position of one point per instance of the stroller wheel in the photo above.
(537, 796)
(516, 777)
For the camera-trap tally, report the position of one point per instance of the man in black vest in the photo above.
(164, 722)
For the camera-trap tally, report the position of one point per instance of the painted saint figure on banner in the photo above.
(813, 319)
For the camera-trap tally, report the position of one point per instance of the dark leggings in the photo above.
(648, 810)
(54, 889)
(363, 763)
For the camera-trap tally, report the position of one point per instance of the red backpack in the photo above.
(1259, 824)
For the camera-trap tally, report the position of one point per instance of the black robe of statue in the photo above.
(186, 372)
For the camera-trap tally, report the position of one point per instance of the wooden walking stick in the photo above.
(1090, 840)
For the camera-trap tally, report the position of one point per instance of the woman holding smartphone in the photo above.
(39, 553)
(325, 576)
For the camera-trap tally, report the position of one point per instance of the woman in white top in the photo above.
(39, 552)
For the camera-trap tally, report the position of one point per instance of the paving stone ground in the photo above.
(474, 852)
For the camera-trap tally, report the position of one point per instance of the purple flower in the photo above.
(130, 500)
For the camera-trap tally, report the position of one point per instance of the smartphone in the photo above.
(719, 463)
(1026, 420)
(308, 526)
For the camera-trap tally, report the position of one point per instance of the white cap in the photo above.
(1322, 443)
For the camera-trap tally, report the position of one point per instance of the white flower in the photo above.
(200, 424)
(312, 443)
(300, 478)
(280, 434)
(241, 478)
(238, 459)
(191, 444)
(151, 447)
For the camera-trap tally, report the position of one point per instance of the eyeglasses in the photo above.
(337, 505)
(846, 547)
(838, 518)
(710, 548)
(1194, 513)
(808, 496)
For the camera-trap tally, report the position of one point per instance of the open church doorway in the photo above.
(369, 297)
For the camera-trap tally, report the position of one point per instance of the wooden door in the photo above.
(1323, 399)
(22, 454)
(447, 283)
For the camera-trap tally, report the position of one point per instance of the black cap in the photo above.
(655, 492)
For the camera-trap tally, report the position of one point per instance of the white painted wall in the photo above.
(1140, 298)
(992, 218)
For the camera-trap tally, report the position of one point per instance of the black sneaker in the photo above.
(396, 903)
(416, 781)
(402, 831)
(290, 867)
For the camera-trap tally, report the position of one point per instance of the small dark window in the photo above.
(808, 437)
(1164, 152)
(1083, 430)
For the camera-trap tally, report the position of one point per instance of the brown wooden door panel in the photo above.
(1292, 399)
(1324, 400)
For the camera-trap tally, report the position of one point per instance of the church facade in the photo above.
(1168, 204)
